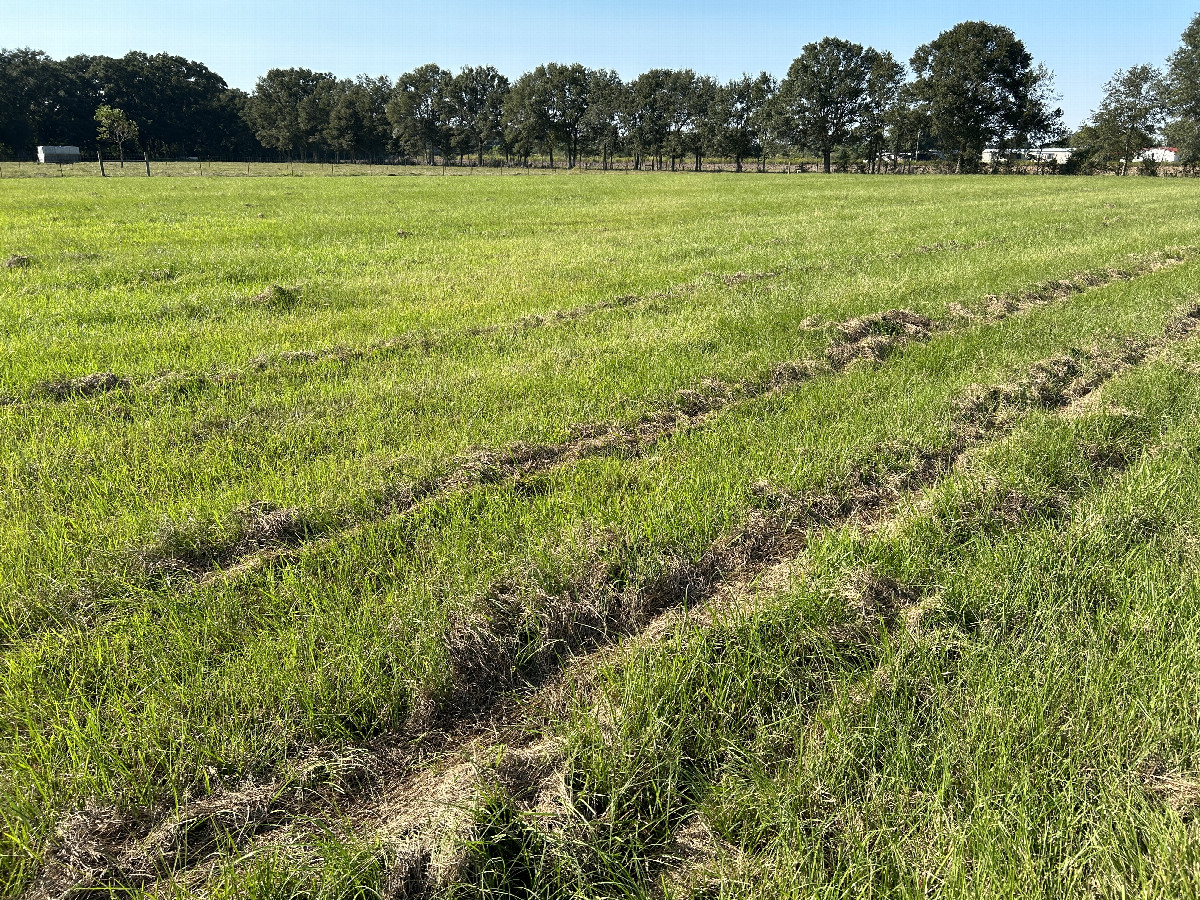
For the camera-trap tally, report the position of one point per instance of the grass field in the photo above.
(622, 535)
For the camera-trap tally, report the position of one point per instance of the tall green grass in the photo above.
(126, 687)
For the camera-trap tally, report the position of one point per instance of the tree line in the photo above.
(1143, 104)
(972, 87)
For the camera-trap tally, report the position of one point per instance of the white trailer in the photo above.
(58, 154)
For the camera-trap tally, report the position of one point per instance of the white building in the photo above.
(1059, 154)
(1158, 154)
(58, 154)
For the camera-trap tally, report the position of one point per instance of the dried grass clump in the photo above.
(1184, 323)
(876, 336)
(1179, 791)
(180, 384)
(736, 278)
(1048, 385)
(265, 526)
(892, 322)
(85, 856)
(198, 545)
(277, 297)
(82, 386)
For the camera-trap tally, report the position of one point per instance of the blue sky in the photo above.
(1082, 43)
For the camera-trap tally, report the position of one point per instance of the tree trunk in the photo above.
(828, 152)
(737, 163)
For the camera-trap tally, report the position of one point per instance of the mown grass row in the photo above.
(361, 636)
(992, 694)
(341, 437)
(995, 696)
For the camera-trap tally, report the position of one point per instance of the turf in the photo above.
(594, 536)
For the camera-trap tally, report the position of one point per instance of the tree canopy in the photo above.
(973, 86)
(980, 86)
(824, 97)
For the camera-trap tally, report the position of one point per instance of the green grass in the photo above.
(290, 529)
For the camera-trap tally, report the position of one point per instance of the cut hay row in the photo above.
(424, 816)
(271, 534)
(255, 630)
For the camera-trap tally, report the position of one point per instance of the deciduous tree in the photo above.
(883, 96)
(980, 85)
(290, 108)
(420, 111)
(476, 98)
(824, 96)
(1183, 94)
(736, 116)
(1133, 109)
(601, 124)
(116, 128)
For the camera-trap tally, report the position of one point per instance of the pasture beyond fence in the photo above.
(177, 168)
(192, 168)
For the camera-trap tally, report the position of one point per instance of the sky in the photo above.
(1083, 43)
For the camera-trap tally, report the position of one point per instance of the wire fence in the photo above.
(142, 167)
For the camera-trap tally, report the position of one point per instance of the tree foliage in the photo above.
(975, 84)
(1182, 94)
(980, 86)
(737, 117)
(1128, 119)
(116, 128)
(824, 97)
(420, 111)
(290, 108)
(476, 107)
